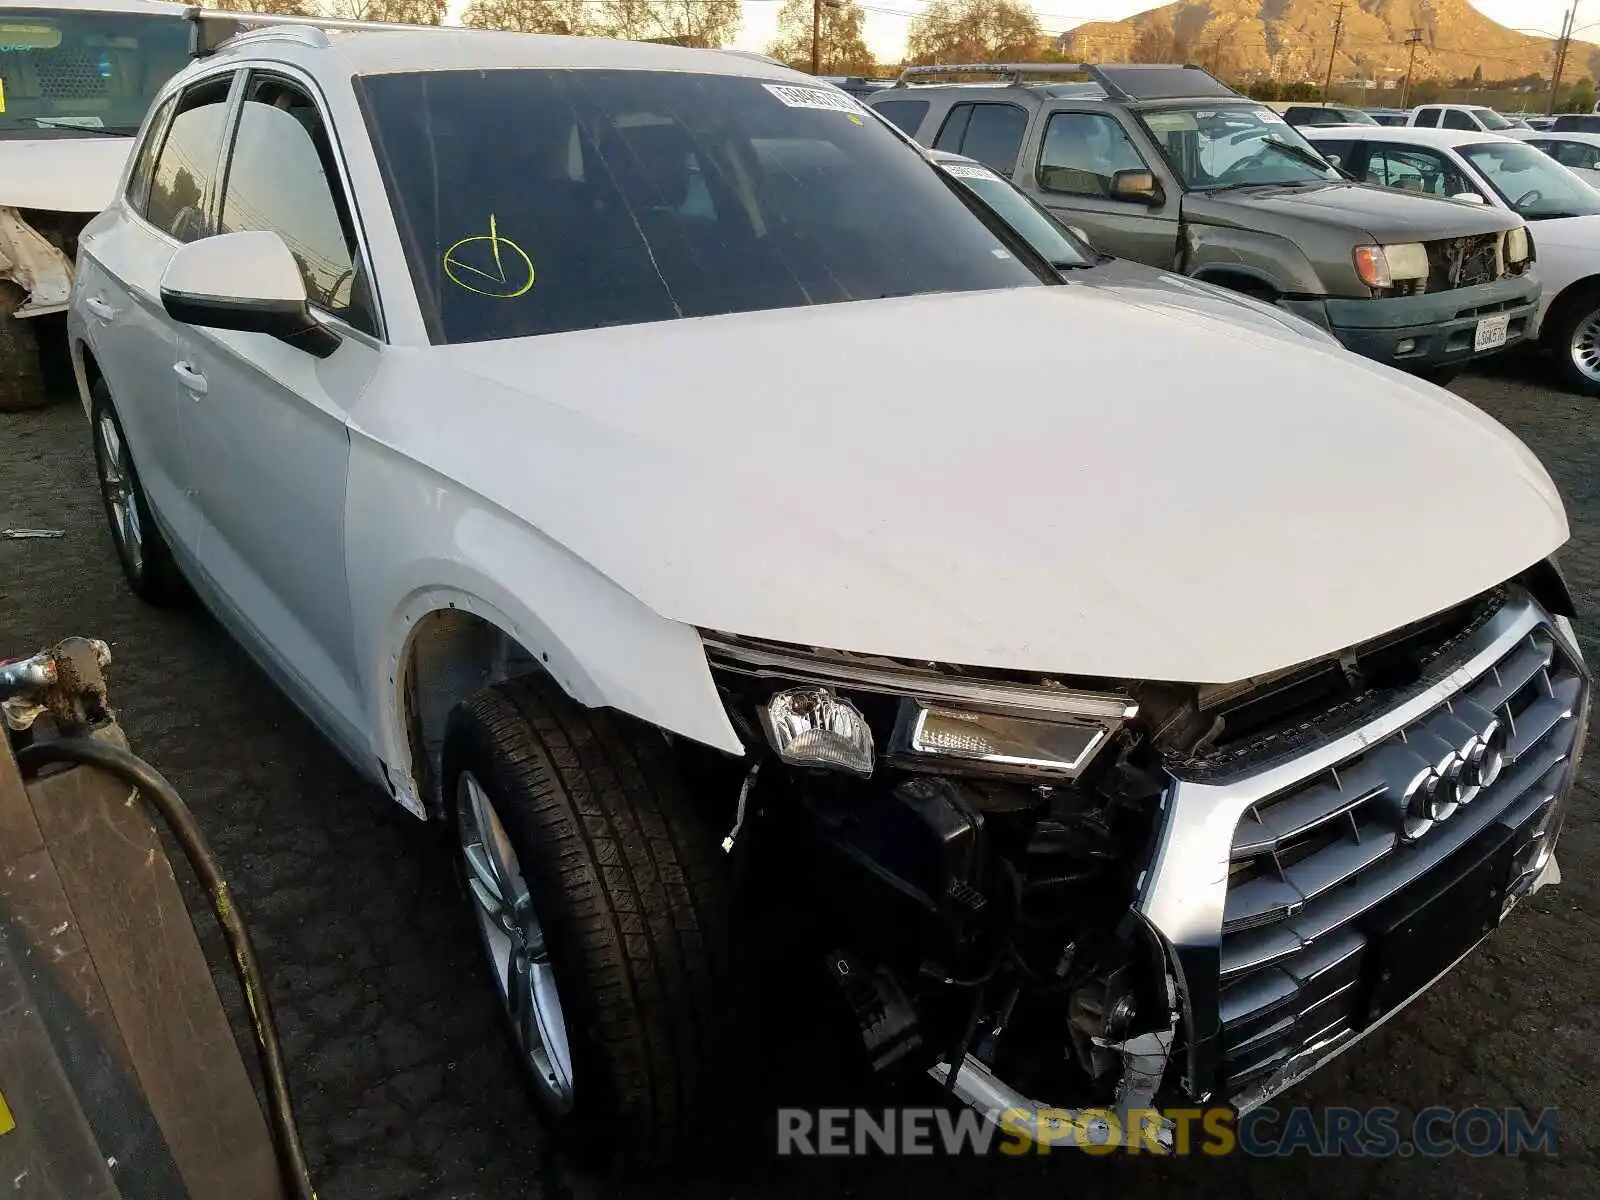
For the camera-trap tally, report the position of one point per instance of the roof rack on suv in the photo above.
(1120, 81)
(217, 27)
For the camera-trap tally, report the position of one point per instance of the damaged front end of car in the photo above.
(1059, 895)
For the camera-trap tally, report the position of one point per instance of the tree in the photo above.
(709, 23)
(406, 12)
(531, 16)
(843, 48)
(1427, 91)
(292, 8)
(964, 31)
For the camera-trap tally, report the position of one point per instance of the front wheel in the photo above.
(1573, 336)
(599, 900)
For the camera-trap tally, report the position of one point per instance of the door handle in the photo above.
(192, 379)
(100, 308)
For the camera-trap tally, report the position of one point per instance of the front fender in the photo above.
(418, 542)
(1275, 261)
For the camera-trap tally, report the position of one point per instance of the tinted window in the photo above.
(905, 114)
(1415, 169)
(185, 169)
(67, 74)
(282, 178)
(1577, 124)
(605, 197)
(1427, 116)
(1082, 152)
(990, 133)
(1572, 154)
(139, 177)
(1454, 118)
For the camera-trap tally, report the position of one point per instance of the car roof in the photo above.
(1417, 135)
(406, 51)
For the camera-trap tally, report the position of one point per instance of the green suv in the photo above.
(1169, 166)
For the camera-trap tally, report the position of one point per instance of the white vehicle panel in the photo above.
(68, 174)
(1117, 528)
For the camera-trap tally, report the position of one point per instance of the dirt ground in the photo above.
(398, 1063)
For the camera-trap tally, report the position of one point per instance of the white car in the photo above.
(1473, 118)
(1562, 211)
(700, 502)
(1577, 152)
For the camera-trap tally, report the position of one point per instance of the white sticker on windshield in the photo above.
(808, 97)
(1266, 114)
(967, 171)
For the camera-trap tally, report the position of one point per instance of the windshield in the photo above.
(1491, 120)
(1213, 148)
(1032, 222)
(601, 197)
(83, 74)
(1532, 183)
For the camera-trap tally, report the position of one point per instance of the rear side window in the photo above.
(1427, 116)
(905, 115)
(990, 133)
(184, 176)
(139, 177)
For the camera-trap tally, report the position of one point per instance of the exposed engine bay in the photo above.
(970, 847)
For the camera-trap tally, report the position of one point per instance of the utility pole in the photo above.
(1413, 41)
(1561, 59)
(1338, 28)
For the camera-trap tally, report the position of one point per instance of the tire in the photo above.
(21, 372)
(146, 559)
(627, 898)
(1572, 335)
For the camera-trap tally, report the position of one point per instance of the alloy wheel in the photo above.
(116, 484)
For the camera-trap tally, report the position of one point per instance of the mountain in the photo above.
(1291, 38)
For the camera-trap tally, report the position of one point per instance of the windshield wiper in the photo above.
(1310, 157)
(68, 123)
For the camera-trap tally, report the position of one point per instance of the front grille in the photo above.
(1312, 862)
(1464, 262)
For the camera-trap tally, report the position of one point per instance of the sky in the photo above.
(887, 19)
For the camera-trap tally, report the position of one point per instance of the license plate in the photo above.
(1420, 932)
(1491, 332)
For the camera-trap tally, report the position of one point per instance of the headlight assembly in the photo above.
(1517, 244)
(1384, 266)
(1000, 742)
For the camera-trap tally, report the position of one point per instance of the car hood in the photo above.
(1047, 479)
(1179, 295)
(62, 174)
(1383, 215)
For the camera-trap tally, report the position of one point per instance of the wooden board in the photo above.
(117, 1063)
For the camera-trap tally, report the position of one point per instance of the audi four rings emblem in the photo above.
(1465, 751)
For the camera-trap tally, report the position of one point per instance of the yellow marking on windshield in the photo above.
(505, 281)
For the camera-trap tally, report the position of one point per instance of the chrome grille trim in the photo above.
(1287, 855)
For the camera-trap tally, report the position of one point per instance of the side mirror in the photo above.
(1078, 232)
(1142, 187)
(1469, 197)
(248, 282)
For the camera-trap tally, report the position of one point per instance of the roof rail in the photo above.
(1016, 71)
(1119, 81)
(227, 25)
